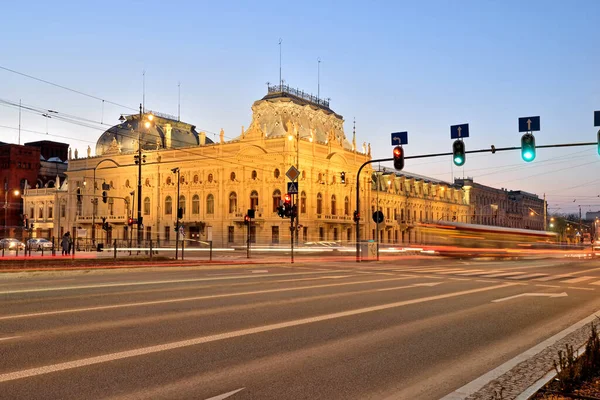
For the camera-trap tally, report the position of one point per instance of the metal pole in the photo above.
(139, 189)
(248, 240)
(210, 251)
(177, 219)
(292, 229)
(377, 222)
(94, 210)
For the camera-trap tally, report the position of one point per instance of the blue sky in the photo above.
(402, 65)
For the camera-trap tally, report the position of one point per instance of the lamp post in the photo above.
(176, 171)
(95, 200)
(6, 206)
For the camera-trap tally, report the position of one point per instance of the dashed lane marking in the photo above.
(527, 276)
(32, 372)
(504, 274)
(580, 279)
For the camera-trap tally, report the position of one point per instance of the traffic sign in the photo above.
(529, 124)
(292, 187)
(378, 217)
(596, 118)
(399, 138)
(459, 131)
(292, 173)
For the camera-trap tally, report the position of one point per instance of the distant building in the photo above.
(592, 215)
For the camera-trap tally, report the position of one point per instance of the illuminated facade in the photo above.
(220, 181)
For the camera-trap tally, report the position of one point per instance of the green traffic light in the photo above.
(528, 147)
(459, 161)
(528, 156)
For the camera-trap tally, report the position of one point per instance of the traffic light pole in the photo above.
(292, 230)
(492, 150)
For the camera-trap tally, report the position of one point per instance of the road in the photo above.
(418, 329)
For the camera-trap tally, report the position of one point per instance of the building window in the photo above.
(168, 206)
(335, 234)
(254, 175)
(210, 178)
(32, 211)
(182, 203)
(147, 182)
(346, 206)
(254, 200)
(275, 234)
(147, 206)
(169, 180)
(127, 183)
(230, 234)
(276, 173)
(63, 210)
(50, 212)
(196, 179)
(210, 204)
(182, 179)
(232, 176)
(196, 204)
(276, 199)
(333, 204)
(232, 202)
(303, 174)
(321, 234)
(111, 207)
(319, 203)
(167, 233)
(320, 177)
(303, 202)
(41, 212)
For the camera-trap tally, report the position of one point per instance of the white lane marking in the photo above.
(216, 296)
(580, 279)
(503, 274)
(410, 286)
(563, 294)
(474, 272)
(597, 283)
(554, 286)
(553, 277)
(586, 270)
(580, 288)
(10, 337)
(473, 386)
(226, 395)
(459, 271)
(11, 376)
(105, 285)
(259, 271)
(529, 276)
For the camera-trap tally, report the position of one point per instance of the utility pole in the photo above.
(176, 171)
(545, 214)
(139, 189)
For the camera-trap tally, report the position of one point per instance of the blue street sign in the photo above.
(596, 118)
(292, 187)
(399, 138)
(459, 131)
(529, 124)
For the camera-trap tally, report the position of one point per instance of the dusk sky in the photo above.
(394, 66)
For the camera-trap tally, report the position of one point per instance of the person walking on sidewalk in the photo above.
(64, 244)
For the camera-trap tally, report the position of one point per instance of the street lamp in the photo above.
(6, 204)
(176, 171)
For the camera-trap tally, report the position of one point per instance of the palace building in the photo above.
(220, 181)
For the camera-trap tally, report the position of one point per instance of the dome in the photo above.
(157, 131)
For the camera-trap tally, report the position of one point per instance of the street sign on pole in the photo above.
(378, 217)
(292, 187)
(399, 138)
(292, 173)
(459, 131)
(529, 124)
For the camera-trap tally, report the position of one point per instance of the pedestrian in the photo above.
(70, 243)
(64, 244)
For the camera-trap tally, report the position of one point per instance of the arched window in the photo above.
(147, 206)
(232, 202)
(276, 173)
(254, 200)
(210, 204)
(232, 176)
(196, 179)
(333, 204)
(319, 203)
(210, 178)
(303, 202)
(182, 203)
(182, 179)
(276, 199)
(169, 181)
(168, 206)
(254, 175)
(346, 206)
(196, 204)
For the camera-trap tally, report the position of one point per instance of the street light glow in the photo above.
(147, 124)
(16, 192)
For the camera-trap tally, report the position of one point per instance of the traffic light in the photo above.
(356, 216)
(180, 213)
(458, 153)
(598, 142)
(398, 158)
(343, 177)
(130, 221)
(79, 195)
(104, 196)
(287, 204)
(251, 213)
(528, 147)
(281, 211)
(247, 219)
(140, 220)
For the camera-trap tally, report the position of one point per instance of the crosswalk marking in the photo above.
(597, 283)
(459, 271)
(475, 272)
(552, 277)
(526, 276)
(580, 279)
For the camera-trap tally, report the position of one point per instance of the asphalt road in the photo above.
(414, 329)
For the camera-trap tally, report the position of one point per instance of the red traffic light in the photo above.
(398, 158)
(287, 198)
(130, 221)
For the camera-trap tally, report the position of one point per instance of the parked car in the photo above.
(11, 244)
(39, 244)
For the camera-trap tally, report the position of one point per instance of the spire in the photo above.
(354, 136)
